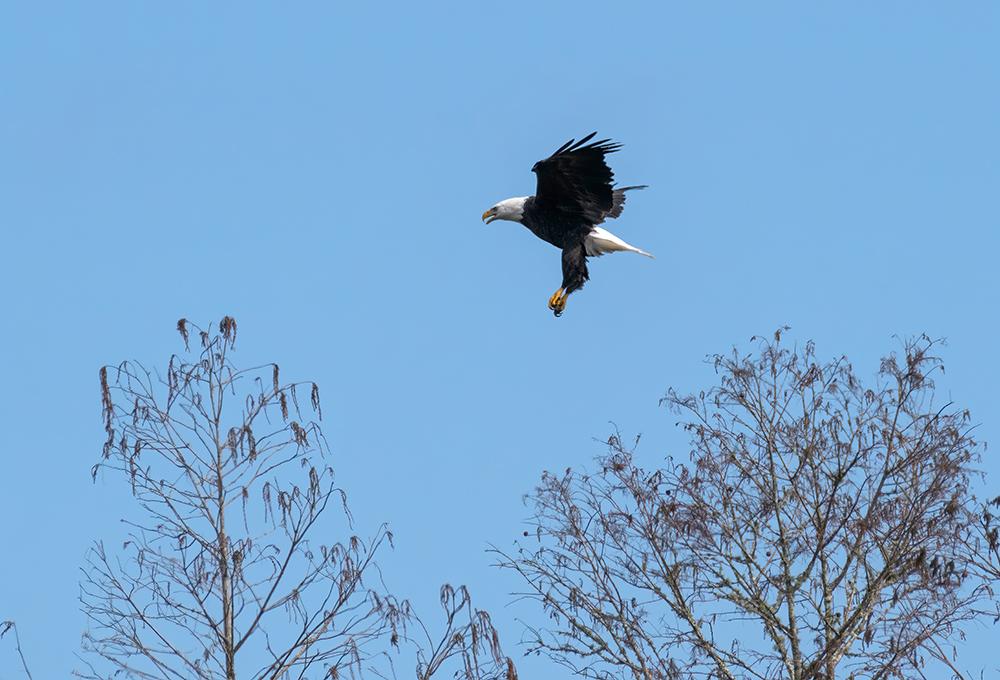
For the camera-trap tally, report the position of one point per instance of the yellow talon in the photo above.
(554, 300)
(557, 303)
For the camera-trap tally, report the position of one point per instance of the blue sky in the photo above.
(318, 171)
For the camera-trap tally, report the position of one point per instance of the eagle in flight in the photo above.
(574, 195)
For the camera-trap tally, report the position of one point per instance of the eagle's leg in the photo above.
(557, 303)
(574, 268)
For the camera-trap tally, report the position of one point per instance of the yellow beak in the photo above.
(489, 216)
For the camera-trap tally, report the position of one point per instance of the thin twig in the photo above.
(8, 626)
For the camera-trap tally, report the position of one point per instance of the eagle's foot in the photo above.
(557, 303)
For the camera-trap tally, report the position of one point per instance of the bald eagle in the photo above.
(574, 195)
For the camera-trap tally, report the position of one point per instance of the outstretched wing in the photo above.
(575, 181)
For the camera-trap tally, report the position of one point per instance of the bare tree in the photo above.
(221, 575)
(821, 529)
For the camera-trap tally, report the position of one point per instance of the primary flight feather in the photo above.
(574, 195)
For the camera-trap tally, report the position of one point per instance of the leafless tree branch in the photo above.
(6, 627)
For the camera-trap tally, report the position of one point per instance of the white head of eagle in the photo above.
(511, 209)
(574, 194)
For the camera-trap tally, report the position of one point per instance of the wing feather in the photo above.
(618, 199)
(576, 181)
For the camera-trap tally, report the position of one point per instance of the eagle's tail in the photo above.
(600, 241)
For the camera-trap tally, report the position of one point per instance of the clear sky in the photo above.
(318, 171)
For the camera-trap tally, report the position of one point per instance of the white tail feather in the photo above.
(600, 241)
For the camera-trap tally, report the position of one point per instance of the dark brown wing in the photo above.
(575, 181)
